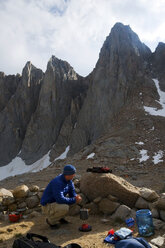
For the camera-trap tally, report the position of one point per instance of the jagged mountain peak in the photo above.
(61, 68)
(28, 63)
(123, 41)
(57, 62)
(29, 66)
(31, 75)
(118, 27)
(2, 74)
(158, 62)
(161, 45)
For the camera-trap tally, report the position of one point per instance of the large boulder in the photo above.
(21, 191)
(94, 185)
(6, 197)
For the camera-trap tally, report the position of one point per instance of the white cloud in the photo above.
(73, 30)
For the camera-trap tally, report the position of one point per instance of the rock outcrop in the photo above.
(95, 185)
(8, 86)
(117, 75)
(59, 102)
(16, 115)
(158, 59)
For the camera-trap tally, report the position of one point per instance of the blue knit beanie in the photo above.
(69, 170)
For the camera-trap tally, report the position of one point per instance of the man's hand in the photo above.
(78, 198)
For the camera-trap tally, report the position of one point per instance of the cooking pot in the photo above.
(84, 214)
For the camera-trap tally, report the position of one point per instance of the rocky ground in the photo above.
(66, 234)
(139, 175)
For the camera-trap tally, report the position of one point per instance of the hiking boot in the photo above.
(55, 226)
(63, 221)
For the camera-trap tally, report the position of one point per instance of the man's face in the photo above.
(69, 177)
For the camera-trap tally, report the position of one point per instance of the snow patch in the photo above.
(64, 154)
(17, 166)
(139, 143)
(155, 111)
(144, 155)
(157, 157)
(132, 159)
(153, 128)
(91, 155)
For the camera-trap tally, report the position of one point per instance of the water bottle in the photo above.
(144, 222)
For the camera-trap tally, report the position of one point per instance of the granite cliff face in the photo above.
(158, 60)
(8, 86)
(119, 72)
(59, 97)
(43, 113)
(15, 116)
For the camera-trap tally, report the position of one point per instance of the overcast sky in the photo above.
(72, 30)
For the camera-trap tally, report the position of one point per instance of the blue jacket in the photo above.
(57, 190)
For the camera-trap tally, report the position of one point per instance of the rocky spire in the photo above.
(17, 113)
(61, 85)
(8, 86)
(159, 60)
(118, 72)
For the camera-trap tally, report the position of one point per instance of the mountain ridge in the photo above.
(65, 109)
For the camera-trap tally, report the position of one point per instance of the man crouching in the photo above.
(55, 202)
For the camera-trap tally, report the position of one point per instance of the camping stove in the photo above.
(84, 214)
